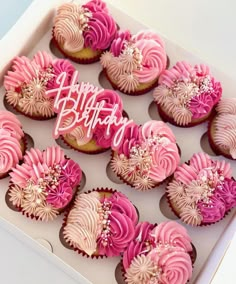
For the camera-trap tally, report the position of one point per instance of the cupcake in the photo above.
(222, 129)
(92, 122)
(101, 223)
(45, 184)
(186, 95)
(28, 81)
(202, 191)
(158, 254)
(134, 62)
(146, 156)
(12, 143)
(83, 32)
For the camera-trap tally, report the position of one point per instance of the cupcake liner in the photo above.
(212, 144)
(177, 214)
(75, 59)
(169, 119)
(24, 146)
(106, 191)
(34, 117)
(133, 93)
(153, 187)
(94, 152)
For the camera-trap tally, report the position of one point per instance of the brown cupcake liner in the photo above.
(95, 152)
(167, 118)
(76, 59)
(70, 246)
(34, 117)
(216, 149)
(133, 93)
(177, 214)
(24, 146)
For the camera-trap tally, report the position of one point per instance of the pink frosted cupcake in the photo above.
(44, 185)
(202, 190)
(101, 223)
(12, 142)
(99, 112)
(187, 94)
(134, 62)
(146, 156)
(158, 254)
(28, 81)
(83, 32)
(222, 129)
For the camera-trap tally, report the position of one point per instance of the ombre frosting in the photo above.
(44, 184)
(28, 81)
(202, 191)
(187, 92)
(101, 223)
(224, 135)
(10, 136)
(80, 26)
(134, 59)
(147, 155)
(158, 254)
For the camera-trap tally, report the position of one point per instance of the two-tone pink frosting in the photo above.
(158, 254)
(187, 92)
(134, 59)
(147, 155)
(202, 191)
(45, 183)
(10, 136)
(80, 26)
(224, 135)
(101, 223)
(29, 79)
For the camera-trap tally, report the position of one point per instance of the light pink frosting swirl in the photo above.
(10, 135)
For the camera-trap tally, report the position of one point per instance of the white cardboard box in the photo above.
(33, 33)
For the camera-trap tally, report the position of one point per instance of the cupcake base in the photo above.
(90, 148)
(84, 56)
(215, 148)
(166, 118)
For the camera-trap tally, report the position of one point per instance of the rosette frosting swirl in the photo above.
(202, 191)
(11, 135)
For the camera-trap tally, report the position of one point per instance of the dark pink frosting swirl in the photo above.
(102, 139)
(71, 173)
(130, 139)
(228, 193)
(217, 93)
(59, 196)
(101, 32)
(121, 203)
(121, 233)
(59, 66)
(201, 105)
(96, 6)
(213, 211)
(137, 246)
(119, 42)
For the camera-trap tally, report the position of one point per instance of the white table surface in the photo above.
(206, 28)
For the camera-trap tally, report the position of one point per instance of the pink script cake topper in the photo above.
(78, 103)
